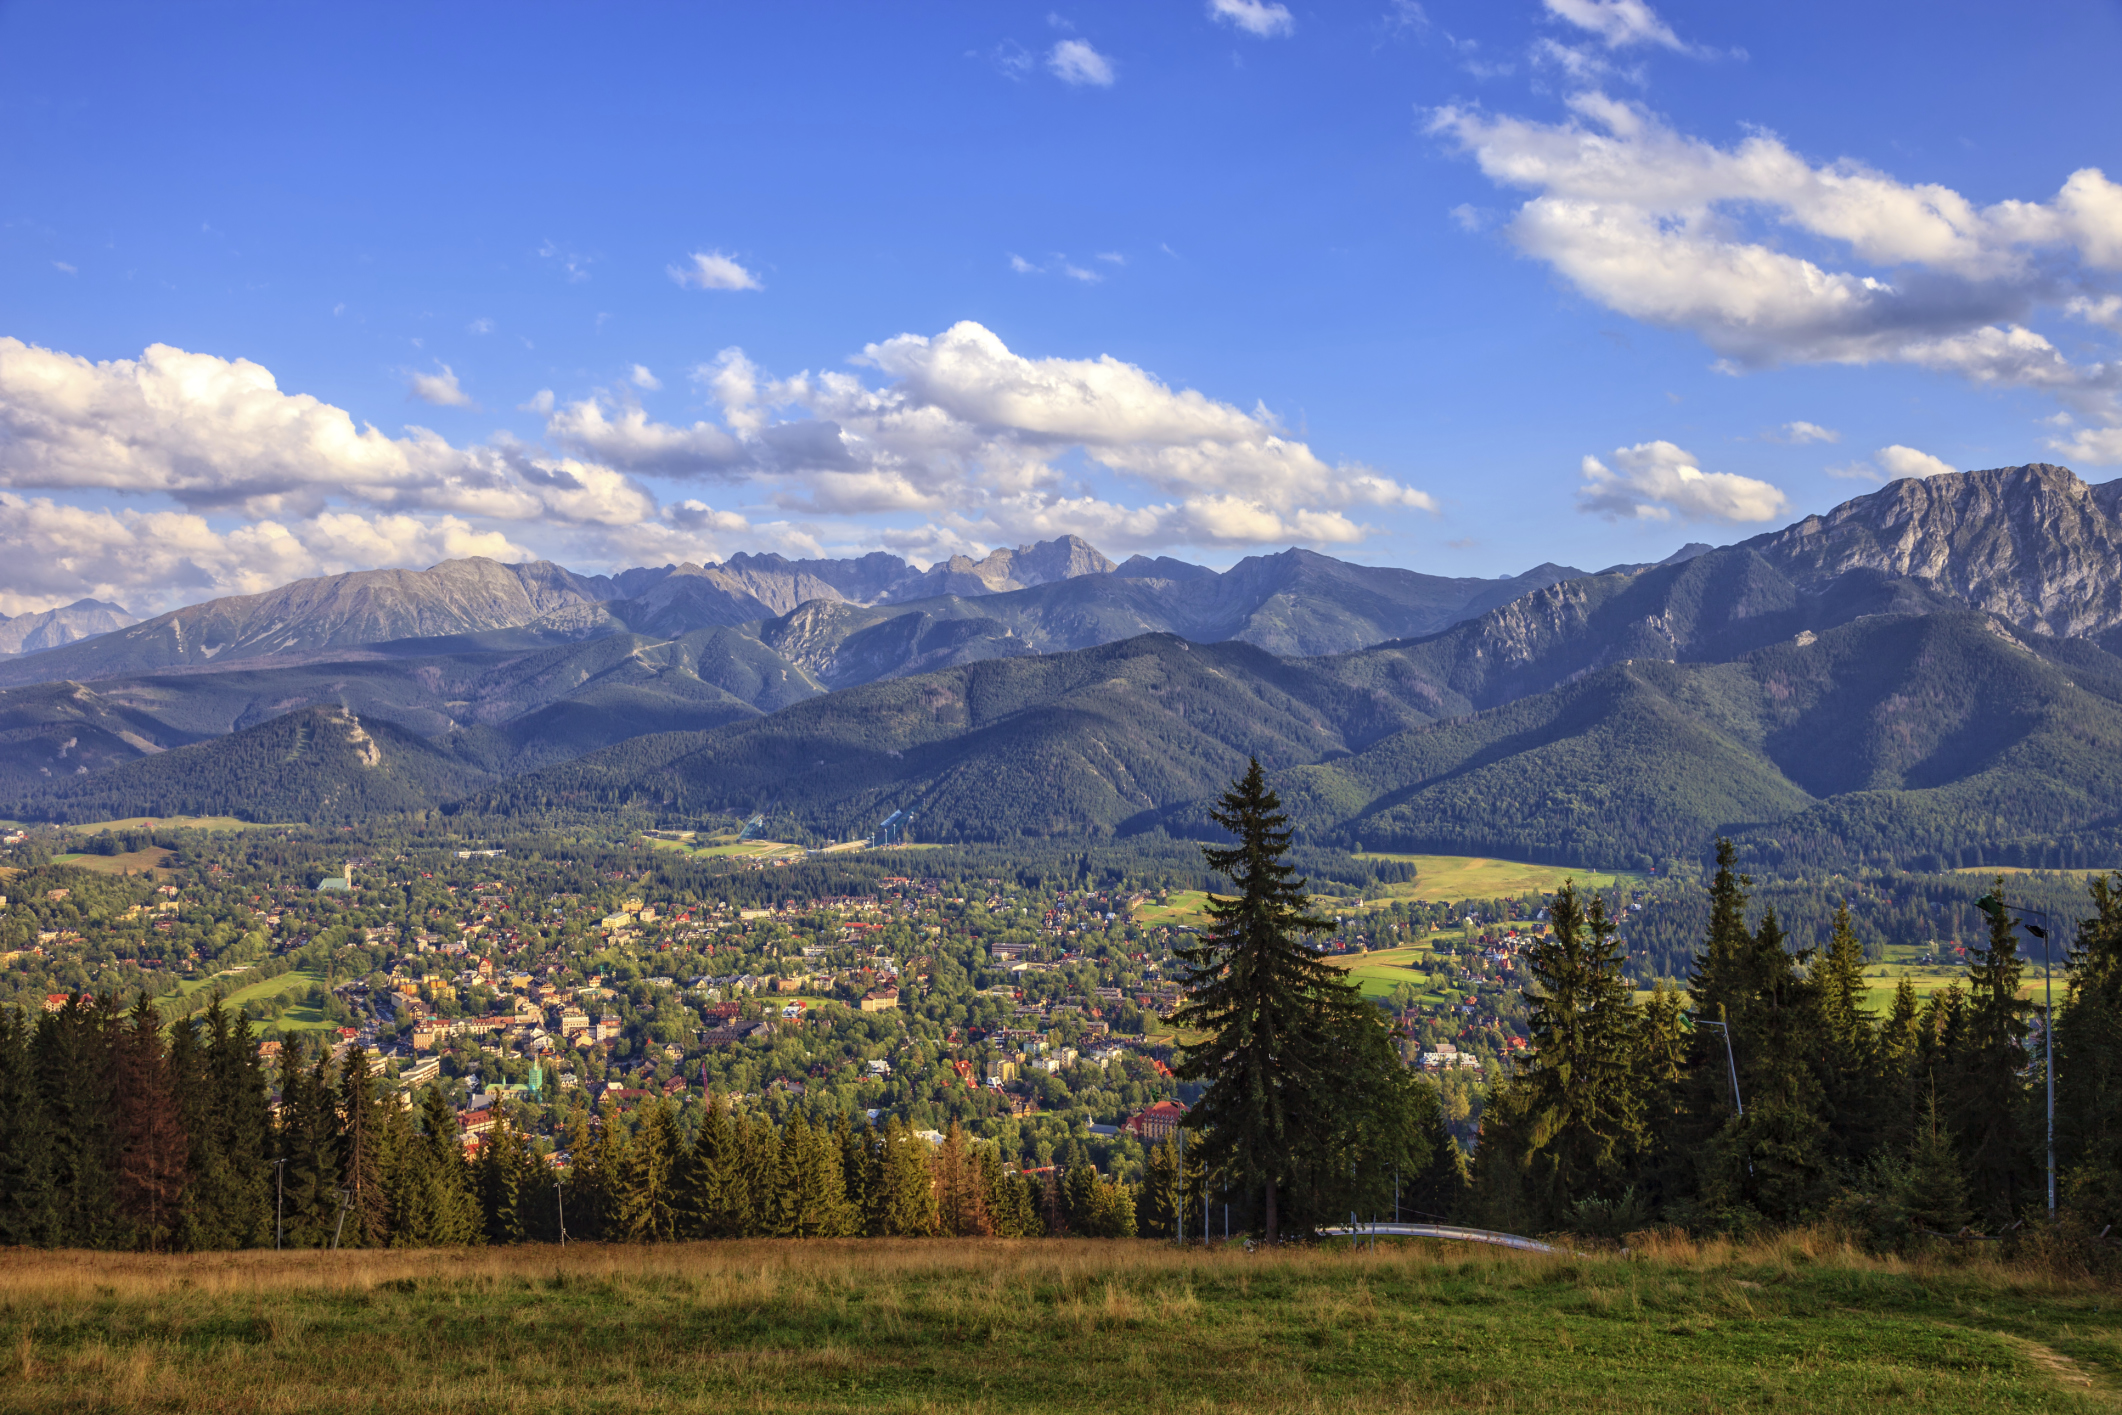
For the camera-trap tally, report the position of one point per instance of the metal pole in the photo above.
(560, 1201)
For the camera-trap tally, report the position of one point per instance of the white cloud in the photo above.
(983, 445)
(2095, 446)
(1907, 463)
(643, 379)
(1255, 17)
(64, 269)
(154, 560)
(712, 270)
(1855, 471)
(1618, 24)
(2103, 310)
(1022, 266)
(1680, 233)
(1657, 481)
(440, 389)
(1073, 61)
(480, 326)
(1800, 433)
(1112, 257)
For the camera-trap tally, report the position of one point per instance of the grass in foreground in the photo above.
(1797, 1324)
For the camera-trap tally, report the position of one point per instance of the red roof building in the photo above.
(1159, 1122)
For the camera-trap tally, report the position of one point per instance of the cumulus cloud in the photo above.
(1255, 17)
(2098, 446)
(152, 560)
(1901, 463)
(1798, 434)
(1618, 24)
(643, 379)
(1656, 481)
(982, 444)
(218, 434)
(1684, 234)
(712, 270)
(440, 389)
(1073, 61)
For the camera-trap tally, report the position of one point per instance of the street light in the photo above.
(1731, 1062)
(1996, 908)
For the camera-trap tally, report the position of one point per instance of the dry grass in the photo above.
(1798, 1322)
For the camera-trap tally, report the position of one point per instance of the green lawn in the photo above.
(151, 861)
(1799, 1324)
(1451, 877)
(295, 1019)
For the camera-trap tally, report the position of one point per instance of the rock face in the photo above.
(2033, 545)
(83, 619)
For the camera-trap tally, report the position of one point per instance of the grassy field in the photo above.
(176, 823)
(1798, 1324)
(295, 1019)
(1902, 962)
(1478, 877)
(1378, 973)
(152, 860)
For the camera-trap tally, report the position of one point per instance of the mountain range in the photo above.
(1924, 673)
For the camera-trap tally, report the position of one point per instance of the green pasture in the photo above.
(295, 1019)
(151, 861)
(1450, 877)
(1797, 1323)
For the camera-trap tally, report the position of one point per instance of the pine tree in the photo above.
(74, 1055)
(244, 1132)
(308, 1145)
(1937, 1190)
(1990, 1091)
(961, 1206)
(908, 1207)
(152, 1146)
(1163, 1191)
(1851, 1070)
(1582, 1123)
(28, 1205)
(2088, 1066)
(1278, 1018)
(503, 1175)
(1658, 1068)
(363, 1156)
(588, 1182)
(1433, 1192)
(432, 1193)
(646, 1188)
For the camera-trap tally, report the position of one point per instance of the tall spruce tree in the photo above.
(1281, 1025)
(364, 1156)
(28, 1204)
(2088, 1066)
(646, 1187)
(152, 1145)
(1990, 1084)
(1582, 1113)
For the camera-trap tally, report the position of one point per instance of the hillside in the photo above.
(317, 764)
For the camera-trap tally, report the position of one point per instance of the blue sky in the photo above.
(1461, 287)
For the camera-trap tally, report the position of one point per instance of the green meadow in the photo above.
(1796, 1323)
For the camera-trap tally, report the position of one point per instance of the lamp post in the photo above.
(1996, 908)
(279, 1200)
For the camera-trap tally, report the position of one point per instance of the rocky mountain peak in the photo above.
(2034, 545)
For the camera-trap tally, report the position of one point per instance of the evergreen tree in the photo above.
(243, 1133)
(906, 1188)
(364, 1156)
(308, 1145)
(506, 1176)
(2088, 1066)
(1163, 1191)
(1851, 1070)
(75, 1056)
(587, 1185)
(1433, 1192)
(1658, 1066)
(646, 1188)
(1277, 1017)
(1937, 1191)
(1581, 1113)
(432, 1194)
(28, 1203)
(962, 1208)
(1990, 1091)
(152, 1145)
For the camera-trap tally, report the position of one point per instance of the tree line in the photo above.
(1769, 1092)
(119, 1133)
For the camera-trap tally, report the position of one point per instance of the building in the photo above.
(881, 1000)
(1159, 1122)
